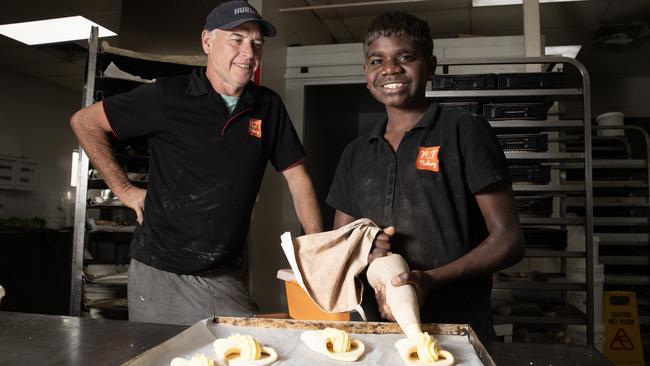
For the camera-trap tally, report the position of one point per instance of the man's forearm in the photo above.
(309, 213)
(498, 251)
(306, 206)
(304, 199)
(97, 146)
(504, 245)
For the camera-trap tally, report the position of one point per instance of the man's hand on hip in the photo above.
(133, 197)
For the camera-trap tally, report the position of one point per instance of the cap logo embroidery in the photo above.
(245, 9)
(428, 158)
(255, 127)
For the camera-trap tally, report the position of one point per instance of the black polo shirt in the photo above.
(205, 169)
(426, 190)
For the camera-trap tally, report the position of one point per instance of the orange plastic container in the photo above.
(301, 306)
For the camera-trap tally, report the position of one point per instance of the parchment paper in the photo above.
(380, 348)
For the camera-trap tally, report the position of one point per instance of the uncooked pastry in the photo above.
(333, 343)
(244, 350)
(422, 349)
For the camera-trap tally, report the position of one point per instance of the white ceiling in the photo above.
(169, 22)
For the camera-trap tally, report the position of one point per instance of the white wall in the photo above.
(36, 114)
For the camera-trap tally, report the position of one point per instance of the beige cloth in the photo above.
(326, 264)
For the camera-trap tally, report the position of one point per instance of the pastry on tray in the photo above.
(244, 350)
(423, 349)
(333, 343)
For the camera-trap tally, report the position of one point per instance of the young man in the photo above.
(438, 177)
(210, 136)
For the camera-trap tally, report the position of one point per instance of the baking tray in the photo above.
(284, 336)
(524, 142)
(461, 106)
(464, 82)
(530, 80)
(506, 111)
(530, 174)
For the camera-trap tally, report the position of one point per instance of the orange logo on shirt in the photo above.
(255, 127)
(428, 158)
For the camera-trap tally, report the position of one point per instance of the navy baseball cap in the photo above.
(231, 14)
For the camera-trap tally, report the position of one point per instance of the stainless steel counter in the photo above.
(35, 339)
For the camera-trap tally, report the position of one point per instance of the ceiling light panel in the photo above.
(53, 30)
(479, 3)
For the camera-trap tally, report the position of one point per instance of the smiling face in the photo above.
(233, 56)
(396, 72)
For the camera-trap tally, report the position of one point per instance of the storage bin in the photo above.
(300, 305)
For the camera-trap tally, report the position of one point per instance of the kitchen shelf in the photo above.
(611, 164)
(635, 239)
(114, 85)
(106, 207)
(113, 238)
(627, 279)
(621, 218)
(610, 201)
(549, 221)
(549, 188)
(558, 189)
(551, 284)
(620, 221)
(113, 229)
(536, 126)
(544, 156)
(568, 315)
(545, 253)
(620, 184)
(620, 260)
(546, 94)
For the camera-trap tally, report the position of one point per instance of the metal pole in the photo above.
(79, 233)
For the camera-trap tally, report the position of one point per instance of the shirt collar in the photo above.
(428, 120)
(200, 85)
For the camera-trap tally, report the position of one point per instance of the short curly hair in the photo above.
(399, 24)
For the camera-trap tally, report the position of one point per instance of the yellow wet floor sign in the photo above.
(622, 333)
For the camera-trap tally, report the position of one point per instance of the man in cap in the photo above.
(210, 134)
